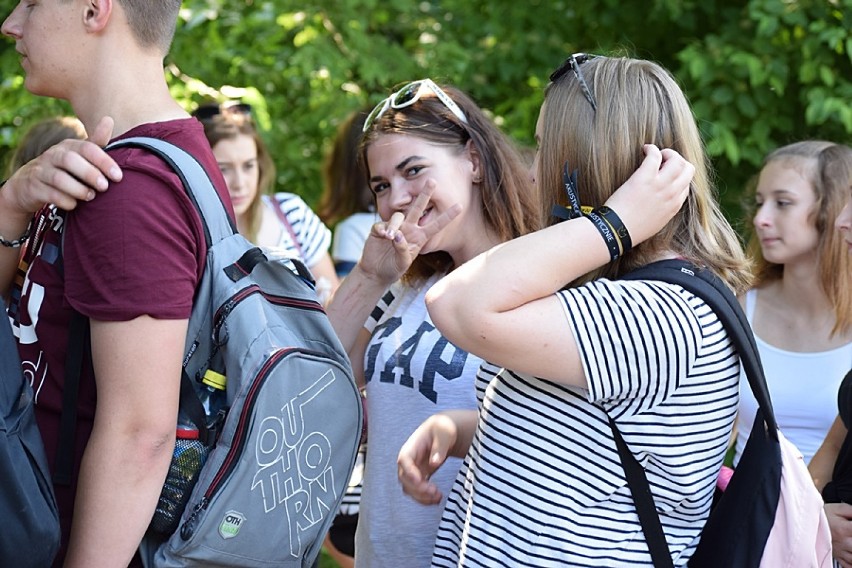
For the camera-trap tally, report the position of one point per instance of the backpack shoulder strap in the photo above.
(707, 286)
(640, 490)
(217, 225)
(710, 288)
(214, 215)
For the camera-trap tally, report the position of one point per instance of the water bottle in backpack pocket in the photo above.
(190, 453)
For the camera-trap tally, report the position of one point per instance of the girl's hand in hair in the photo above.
(393, 245)
(654, 194)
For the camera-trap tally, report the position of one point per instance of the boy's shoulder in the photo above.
(187, 133)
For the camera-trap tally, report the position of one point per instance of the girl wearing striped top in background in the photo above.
(276, 220)
(571, 344)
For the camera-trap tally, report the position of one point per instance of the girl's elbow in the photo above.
(444, 313)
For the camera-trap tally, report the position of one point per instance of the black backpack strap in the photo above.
(644, 501)
(710, 288)
(707, 286)
(78, 333)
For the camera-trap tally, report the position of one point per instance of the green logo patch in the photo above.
(231, 524)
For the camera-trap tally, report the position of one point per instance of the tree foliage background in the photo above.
(760, 73)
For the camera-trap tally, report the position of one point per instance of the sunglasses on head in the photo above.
(208, 111)
(410, 94)
(573, 64)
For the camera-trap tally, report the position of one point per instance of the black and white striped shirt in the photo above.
(542, 484)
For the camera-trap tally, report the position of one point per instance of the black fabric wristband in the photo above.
(607, 233)
(618, 227)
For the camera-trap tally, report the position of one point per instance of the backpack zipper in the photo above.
(285, 301)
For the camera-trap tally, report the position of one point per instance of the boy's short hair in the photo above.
(152, 22)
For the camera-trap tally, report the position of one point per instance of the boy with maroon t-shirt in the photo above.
(128, 259)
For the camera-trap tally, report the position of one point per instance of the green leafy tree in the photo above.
(759, 74)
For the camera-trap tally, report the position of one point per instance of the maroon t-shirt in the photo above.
(136, 249)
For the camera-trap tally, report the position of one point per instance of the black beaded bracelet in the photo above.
(618, 227)
(20, 240)
(607, 233)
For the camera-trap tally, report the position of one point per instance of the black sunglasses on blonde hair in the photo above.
(209, 110)
(573, 64)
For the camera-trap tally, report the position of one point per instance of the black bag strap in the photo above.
(644, 501)
(710, 288)
(78, 333)
(707, 286)
(217, 225)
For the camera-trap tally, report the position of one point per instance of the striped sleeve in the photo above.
(313, 236)
(637, 341)
(382, 307)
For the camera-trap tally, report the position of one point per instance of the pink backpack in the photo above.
(800, 537)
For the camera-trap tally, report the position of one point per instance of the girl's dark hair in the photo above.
(346, 190)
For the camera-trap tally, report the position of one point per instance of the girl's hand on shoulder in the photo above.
(71, 171)
(393, 245)
(422, 454)
(653, 195)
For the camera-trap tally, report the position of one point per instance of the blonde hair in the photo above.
(828, 168)
(510, 203)
(230, 125)
(638, 102)
(41, 136)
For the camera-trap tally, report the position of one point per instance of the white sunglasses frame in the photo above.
(422, 85)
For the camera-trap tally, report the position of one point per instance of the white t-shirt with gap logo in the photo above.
(412, 372)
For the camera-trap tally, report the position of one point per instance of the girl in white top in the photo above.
(282, 220)
(801, 306)
(542, 483)
(448, 186)
(829, 466)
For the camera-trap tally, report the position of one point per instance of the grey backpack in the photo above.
(272, 483)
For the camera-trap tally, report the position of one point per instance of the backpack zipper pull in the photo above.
(188, 528)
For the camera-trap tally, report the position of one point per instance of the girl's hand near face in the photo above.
(393, 245)
(653, 195)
